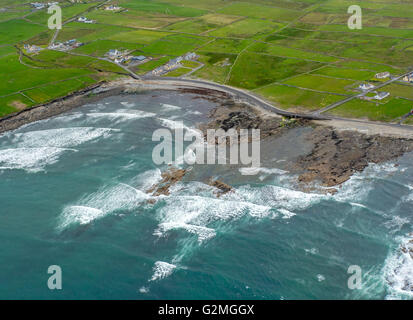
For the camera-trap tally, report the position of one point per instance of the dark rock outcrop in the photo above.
(221, 186)
(336, 156)
(169, 178)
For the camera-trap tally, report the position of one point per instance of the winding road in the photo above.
(257, 101)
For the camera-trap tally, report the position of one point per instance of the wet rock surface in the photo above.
(336, 156)
(222, 187)
(236, 115)
(170, 177)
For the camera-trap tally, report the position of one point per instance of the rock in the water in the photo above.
(221, 186)
(169, 178)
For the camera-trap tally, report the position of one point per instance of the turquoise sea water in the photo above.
(72, 193)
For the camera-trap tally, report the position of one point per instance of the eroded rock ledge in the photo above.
(336, 155)
(172, 176)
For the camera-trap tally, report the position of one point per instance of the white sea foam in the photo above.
(396, 223)
(30, 159)
(128, 104)
(81, 214)
(312, 251)
(398, 271)
(358, 205)
(60, 138)
(122, 115)
(144, 290)
(193, 112)
(265, 171)
(277, 197)
(203, 233)
(173, 125)
(170, 107)
(355, 190)
(161, 270)
(147, 179)
(195, 213)
(101, 203)
(320, 278)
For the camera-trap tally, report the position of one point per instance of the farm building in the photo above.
(366, 86)
(381, 95)
(383, 75)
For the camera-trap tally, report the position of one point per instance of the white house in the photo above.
(366, 86)
(381, 95)
(383, 75)
(113, 53)
(408, 78)
(85, 20)
(190, 56)
(113, 8)
(38, 5)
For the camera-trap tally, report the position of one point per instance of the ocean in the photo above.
(73, 195)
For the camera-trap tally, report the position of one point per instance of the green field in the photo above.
(390, 111)
(299, 54)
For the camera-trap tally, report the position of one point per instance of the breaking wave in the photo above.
(161, 270)
(30, 159)
(170, 107)
(101, 203)
(60, 138)
(398, 271)
(122, 115)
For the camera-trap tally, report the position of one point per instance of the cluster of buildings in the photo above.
(32, 48)
(120, 57)
(174, 64)
(39, 5)
(379, 95)
(66, 46)
(85, 20)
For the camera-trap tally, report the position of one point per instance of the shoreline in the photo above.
(340, 147)
(104, 89)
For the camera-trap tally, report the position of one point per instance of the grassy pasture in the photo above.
(344, 73)
(390, 111)
(247, 28)
(255, 70)
(14, 31)
(14, 103)
(52, 91)
(320, 83)
(233, 46)
(217, 66)
(260, 11)
(297, 99)
(281, 51)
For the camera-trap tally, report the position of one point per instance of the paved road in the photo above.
(362, 94)
(251, 98)
(244, 95)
